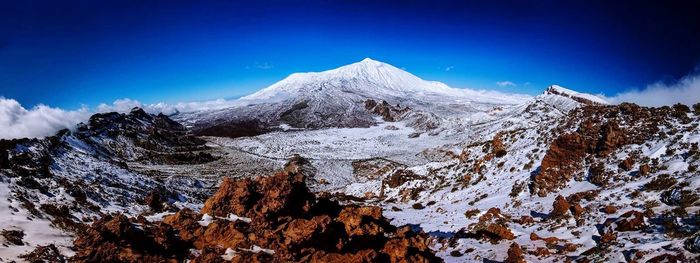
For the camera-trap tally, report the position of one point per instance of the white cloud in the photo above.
(40, 121)
(506, 84)
(686, 91)
(125, 105)
(449, 68)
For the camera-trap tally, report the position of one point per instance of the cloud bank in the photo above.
(686, 91)
(41, 121)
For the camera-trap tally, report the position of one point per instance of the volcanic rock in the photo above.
(560, 207)
(515, 254)
(268, 219)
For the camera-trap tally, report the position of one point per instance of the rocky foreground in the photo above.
(267, 219)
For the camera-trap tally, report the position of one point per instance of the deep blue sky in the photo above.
(68, 53)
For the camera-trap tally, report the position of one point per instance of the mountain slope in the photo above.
(53, 186)
(335, 98)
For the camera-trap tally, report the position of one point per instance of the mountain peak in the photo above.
(369, 60)
(369, 64)
(361, 77)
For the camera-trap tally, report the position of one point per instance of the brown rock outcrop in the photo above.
(644, 169)
(118, 239)
(559, 164)
(627, 164)
(560, 207)
(597, 131)
(515, 254)
(497, 147)
(630, 221)
(492, 226)
(268, 219)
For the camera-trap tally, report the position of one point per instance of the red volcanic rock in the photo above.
(384, 109)
(577, 210)
(497, 147)
(612, 138)
(155, 201)
(515, 254)
(541, 252)
(525, 220)
(644, 169)
(630, 221)
(269, 219)
(548, 240)
(597, 132)
(493, 214)
(559, 164)
(610, 209)
(234, 196)
(608, 238)
(117, 239)
(560, 207)
(668, 258)
(47, 253)
(492, 226)
(627, 164)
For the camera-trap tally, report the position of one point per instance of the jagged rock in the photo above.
(547, 240)
(644, 169)
(387, 111)
(155, 201)
(525, 220)
(560, 163)
(679, 197)
(42, 254)
(497, 147)
(491, 226)
(610, 209)
(268, 219)
(668, 258)
(596, 132)
(577, 210)
(515, 254)
(399, 177)
(13, 237)
(692, 244)
(630, 221)
(627, 164)
(612, 137)
(118, 239)
(560, 207)
(608, 238)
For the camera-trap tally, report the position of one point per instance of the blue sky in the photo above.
(73, 53)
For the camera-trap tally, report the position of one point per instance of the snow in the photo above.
(573, 93)
(206, 220)
(232, 217)
(373, 77)
(256, 249)
(228, 254)
(37, 231)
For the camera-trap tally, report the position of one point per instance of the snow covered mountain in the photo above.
(336, 98)
(364, 150)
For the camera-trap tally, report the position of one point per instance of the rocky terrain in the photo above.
(55, 185)
(404, 170)
(268, 219)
